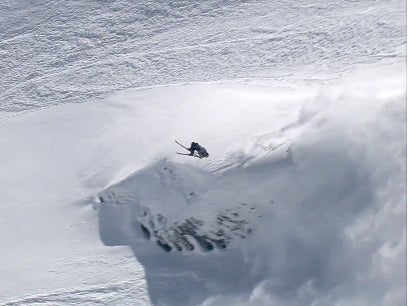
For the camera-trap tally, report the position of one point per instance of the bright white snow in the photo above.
(305, 202)
(307, 172)
(70, 51)
(301, 106)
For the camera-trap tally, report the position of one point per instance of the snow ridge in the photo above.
(192, 229)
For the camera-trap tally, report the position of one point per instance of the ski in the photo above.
(195, 155)
(181, 145)
(187, 154)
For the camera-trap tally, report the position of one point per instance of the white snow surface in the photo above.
(61, 51)
(300, 104)
(313, 204)
(306, 171)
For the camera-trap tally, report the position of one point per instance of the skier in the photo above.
(201, 151)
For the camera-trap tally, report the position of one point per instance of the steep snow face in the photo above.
(311, 212)
(56, 160)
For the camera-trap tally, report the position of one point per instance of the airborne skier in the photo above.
(201, 151)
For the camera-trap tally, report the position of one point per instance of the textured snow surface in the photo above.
(54, 52)
(301, 105)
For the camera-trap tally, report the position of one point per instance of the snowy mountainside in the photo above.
(301, 105)
(320, 169)
(285, 217)
(74, 151)
(71, 51)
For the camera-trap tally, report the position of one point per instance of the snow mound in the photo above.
(177, 206)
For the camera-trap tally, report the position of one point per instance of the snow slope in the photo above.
(300, 202)
(53, 170)
(50, 251)
(72, 51)
(301, 106)
(311, 212)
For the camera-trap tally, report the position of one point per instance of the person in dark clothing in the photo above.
(201, 151)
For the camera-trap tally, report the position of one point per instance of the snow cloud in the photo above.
(337, 232)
